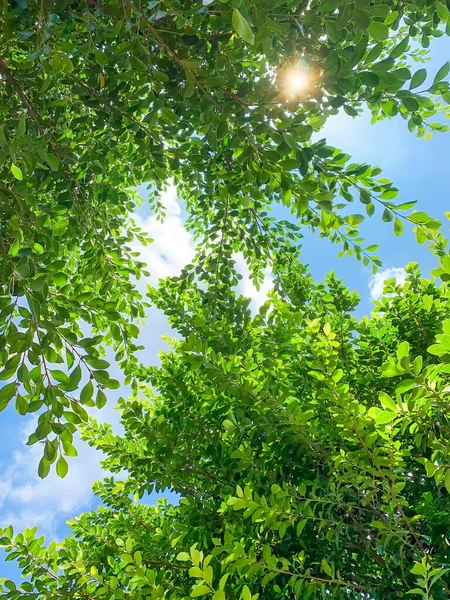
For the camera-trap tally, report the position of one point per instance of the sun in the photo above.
(297, 80)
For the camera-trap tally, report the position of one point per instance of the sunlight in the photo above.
(297, 80)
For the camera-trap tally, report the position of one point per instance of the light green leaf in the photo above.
(387, 402)
(379, 31)
(242, 27)
(15, 170)
(43, 468)
(398, 227)
(15, 247)
(62, 467)
(418, 569)
(447, 480)
(246, 593)
(200, 590)
(385, 416)
(183, 556)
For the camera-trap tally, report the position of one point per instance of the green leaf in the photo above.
(405, 386)
(15, 247)
(60, 227)
(398, 226)
(387, 215)
(362, 18)
(59, 279)
(87, 392)
(62, 467)
(410, 104)
(332, 31)
(97, 363)
(7, 392)
(385, 416)
(52, 161)
(246, 593)
(15, 170)
(191, 64)
(418, 78)
(22, 127)
(75, 378)
(420, 218)
(400, 48)
(50, 450)
(447, 480)
(59, 375)
(196, 572)
(403, 350)
(379, 31)
(3, 140)
(387, 402)
(325, 567)
(418, 569)
(183, 556)
(242, 27)
(200, 590)
(101, 399)
(69, 450)
(43, 468)
(436, 350)
(21, 405)
(443, 12)
(442, 73)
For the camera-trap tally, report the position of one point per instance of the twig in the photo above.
(26, 102)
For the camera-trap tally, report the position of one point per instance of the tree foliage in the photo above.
(99, 97)
(309, 448)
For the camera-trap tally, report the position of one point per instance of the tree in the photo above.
(99, 97)
(310, 451)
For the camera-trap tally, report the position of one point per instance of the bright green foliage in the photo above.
(310, 451)
(97, 97)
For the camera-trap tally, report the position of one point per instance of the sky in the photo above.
(418, 168)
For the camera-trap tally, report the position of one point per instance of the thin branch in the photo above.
(25, 102)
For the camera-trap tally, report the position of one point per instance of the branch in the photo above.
(23, 97)
(171, 53)
(26, 102)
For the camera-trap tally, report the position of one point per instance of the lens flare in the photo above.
(297, 80)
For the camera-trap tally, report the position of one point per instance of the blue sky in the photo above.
(418, 168)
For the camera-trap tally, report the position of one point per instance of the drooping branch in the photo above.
(22, 95)
(25, 101)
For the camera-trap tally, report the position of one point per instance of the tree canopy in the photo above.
(99, 97)
(310, 449)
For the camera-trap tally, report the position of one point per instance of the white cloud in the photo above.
(26, 500)
(246, 286)
(172, 247)
(386, 138)
(376, 283)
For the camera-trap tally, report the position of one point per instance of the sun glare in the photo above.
(297, 80)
